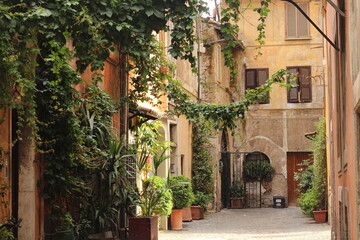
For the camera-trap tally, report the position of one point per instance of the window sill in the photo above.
(299, 102)
(299, 38)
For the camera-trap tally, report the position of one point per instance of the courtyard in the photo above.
(250, 224)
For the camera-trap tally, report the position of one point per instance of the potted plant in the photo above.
(258, 171)
(199, 205)
(155, 200)
(237, 195)
(182, 197)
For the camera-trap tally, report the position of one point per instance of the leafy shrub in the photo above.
(237, 190)
(156, 197)
(258, 170)
(202, 166)
(202, 200)
(315, 197)
(182, 192)
(305, 176)
(308, 201)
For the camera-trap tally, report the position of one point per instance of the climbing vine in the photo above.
(230, 29)
(45, 44)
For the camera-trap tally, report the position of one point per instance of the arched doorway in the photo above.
(253, 186)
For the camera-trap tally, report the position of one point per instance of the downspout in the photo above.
(199, 65)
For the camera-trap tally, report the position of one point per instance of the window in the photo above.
(297, 26)
(255, 78)
(301, 92)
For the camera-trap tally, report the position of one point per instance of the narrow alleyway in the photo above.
(251, 224)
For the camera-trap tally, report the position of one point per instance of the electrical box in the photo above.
(279, 201)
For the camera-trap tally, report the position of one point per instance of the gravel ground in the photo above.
(252, 224)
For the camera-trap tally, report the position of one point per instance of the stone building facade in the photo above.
(275, 130)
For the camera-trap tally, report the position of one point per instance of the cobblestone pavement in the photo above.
(252, 224)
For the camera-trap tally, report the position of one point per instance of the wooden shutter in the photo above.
(262, 76)
(293, 91)
(305, 84)
(250, 79)
(290, 21)
(302, 24)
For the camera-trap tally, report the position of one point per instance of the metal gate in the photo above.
(253, 187)
(230, 169)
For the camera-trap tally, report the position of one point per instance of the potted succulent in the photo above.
(182, 197)
(155, 200)
(199, 205)
(237, 195)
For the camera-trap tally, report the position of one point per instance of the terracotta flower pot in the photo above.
(197, 213)
(143, 228)
(320, 216)
(186, 214)
(176, 219)
(236, 202)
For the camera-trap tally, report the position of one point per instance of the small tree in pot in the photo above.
(183, 196)
(237, 194)
(155, 200)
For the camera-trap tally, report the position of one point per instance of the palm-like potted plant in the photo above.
(182, 197)
(237, 195)
(154, 200)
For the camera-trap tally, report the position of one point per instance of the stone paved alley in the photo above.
(252, 224)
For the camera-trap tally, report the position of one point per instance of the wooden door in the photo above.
(293, 161)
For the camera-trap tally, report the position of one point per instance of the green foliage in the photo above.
(181, 189)
(147, 145)
(5, 233)
(308, 201)
(237, 190)
(318, 147)
(305, 176)
(39, 41)
(230, 30)
(202, 166)
(258, 170)
(263, 12)
(156, 197)
(315, 198)
(221, 116)
(202, 200)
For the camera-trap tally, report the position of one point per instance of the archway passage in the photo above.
(252, 185)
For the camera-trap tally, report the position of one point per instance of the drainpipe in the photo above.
(199, 65)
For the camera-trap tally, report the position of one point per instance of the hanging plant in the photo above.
(258, 170)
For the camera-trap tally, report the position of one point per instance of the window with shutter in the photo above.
(297, 25)
(255, 78)
(301, 92)
(305, 84)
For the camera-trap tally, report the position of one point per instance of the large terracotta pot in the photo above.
(143, 228)
(176, 219)
(186, 214)
(237, 202)
(197, 213)
(320, 216)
